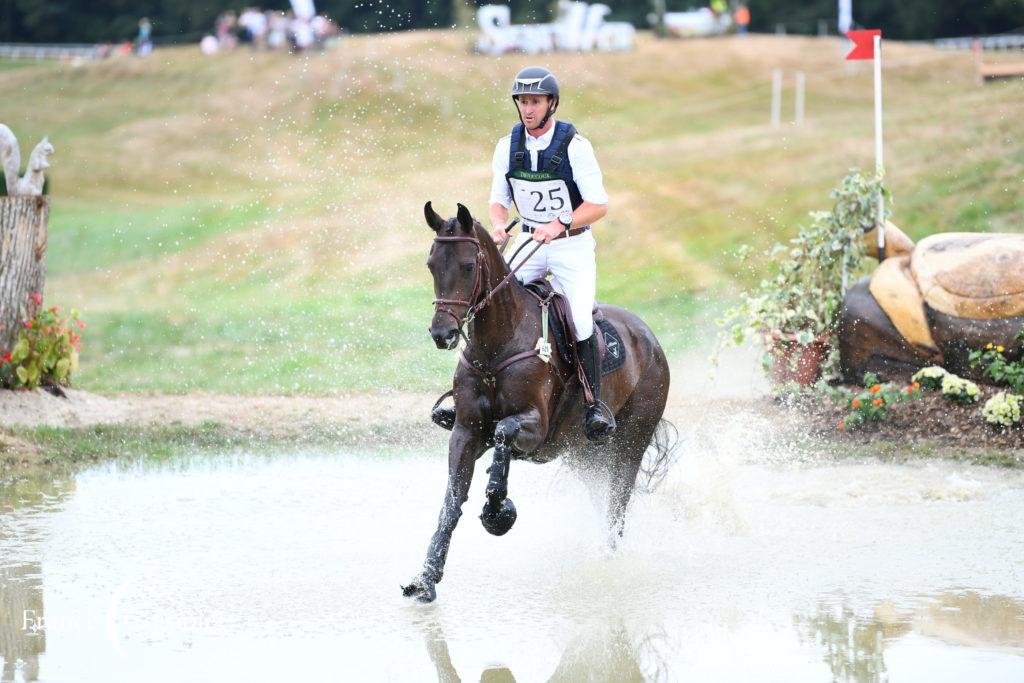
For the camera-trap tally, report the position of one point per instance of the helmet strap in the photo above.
(551, 111)
(544, 121)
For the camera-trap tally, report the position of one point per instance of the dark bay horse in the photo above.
(509, 398)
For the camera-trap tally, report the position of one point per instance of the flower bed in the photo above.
(931, 418)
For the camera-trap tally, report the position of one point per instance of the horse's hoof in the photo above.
(420, 589)
(498, 522)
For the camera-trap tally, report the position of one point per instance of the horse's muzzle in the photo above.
(445, 338)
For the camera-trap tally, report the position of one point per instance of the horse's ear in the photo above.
(434, 222)
(465, 219)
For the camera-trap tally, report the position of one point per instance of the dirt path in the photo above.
(694, 396)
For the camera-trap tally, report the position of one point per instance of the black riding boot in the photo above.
(599, 423)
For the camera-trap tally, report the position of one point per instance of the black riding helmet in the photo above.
(536, 80)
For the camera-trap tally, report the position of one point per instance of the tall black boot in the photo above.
(599, 422)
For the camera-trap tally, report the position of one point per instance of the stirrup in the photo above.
(599, 422)
(443, 417)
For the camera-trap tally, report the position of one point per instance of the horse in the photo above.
(509, 398)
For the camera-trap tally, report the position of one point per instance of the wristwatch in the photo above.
(565, 218)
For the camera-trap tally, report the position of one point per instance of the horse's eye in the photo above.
(467, 267)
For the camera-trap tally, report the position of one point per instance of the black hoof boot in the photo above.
(600, 423)
(443, 417)
(498, 522)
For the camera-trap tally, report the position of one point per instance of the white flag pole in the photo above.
(879, 164)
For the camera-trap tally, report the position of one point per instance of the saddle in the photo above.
(976, 276)
(560, 323)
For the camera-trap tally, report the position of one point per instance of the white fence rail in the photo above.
(38, 51)
(1002, 42)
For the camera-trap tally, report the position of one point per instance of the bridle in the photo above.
(476, 303)
(472, 305)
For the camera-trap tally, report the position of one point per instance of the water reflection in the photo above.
(854, 645)
(600, 652)
(22, 614)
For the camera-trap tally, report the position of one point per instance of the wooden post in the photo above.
(23, 223)
(776, 97)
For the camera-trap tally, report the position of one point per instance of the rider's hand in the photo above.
(548, 232)
(499, 236)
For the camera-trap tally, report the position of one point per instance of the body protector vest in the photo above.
(541, 195)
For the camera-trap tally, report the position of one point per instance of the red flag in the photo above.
(863, 43)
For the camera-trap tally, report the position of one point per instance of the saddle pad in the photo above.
(614, 350)
(971, 275)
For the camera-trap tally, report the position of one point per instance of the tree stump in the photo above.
(23, 222)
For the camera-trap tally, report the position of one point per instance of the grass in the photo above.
(252, 222)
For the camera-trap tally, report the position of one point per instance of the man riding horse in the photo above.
(551, 175)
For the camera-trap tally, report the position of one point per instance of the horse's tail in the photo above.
(659, 457)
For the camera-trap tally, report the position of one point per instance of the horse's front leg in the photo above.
(463, 450)
(521, 433)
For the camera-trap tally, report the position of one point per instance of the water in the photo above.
(744, 566)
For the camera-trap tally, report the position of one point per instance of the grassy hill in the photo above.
(253, 222)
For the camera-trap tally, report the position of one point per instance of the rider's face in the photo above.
(532, 109)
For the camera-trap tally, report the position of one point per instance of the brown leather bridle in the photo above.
(473, 306)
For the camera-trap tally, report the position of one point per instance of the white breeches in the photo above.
(573, 269)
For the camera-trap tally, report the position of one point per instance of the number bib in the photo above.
(539, 197)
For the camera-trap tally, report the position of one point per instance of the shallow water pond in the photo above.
(737, 569)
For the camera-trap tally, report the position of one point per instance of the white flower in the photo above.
(1002, 409)
(959, 390)
(930, 377)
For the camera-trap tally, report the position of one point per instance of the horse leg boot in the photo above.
(599, 422)
(499, 514)
(463, 450)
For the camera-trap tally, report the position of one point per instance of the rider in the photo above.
(551, 174)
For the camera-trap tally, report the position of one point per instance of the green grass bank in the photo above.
(253, 222)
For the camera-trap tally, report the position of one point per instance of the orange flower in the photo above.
(839, 426)
(877, 402)
(855, 403)
(917, 385)
(875, 389)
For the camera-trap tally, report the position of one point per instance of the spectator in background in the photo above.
(742, 18)
(302, 35)
(277, 33)
(144, 41)
(273, 30)
(225, 26)
(253, 27)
